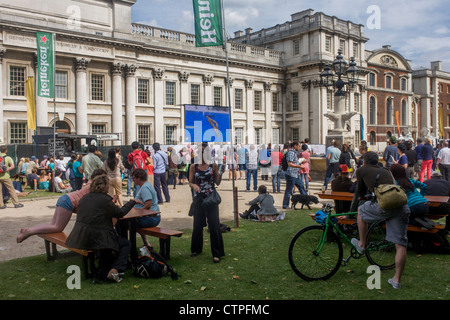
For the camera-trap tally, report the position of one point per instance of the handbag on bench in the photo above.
(389, 196)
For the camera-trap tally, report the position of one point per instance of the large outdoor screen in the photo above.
(207, 124)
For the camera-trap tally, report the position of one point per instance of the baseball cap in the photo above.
(343, 168)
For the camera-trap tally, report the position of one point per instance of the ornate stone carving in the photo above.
(184, 76)
(249, 84)
(2, 53)
(81, 64)
(267, 86)
(389, 61)
(130, 69)
(207, 79)
(158, 73)
(306, 84)
(117, 68)
(231, 81)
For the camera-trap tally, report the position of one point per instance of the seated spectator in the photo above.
(44, 180)
(94, 230)
(60, 186)
(342, 183)
(33, 179)
(438, 186)
(261, 208)
(418, 204)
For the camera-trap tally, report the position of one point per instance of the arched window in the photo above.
(404, 113)
(389, 111)
(373, 138)
(62, 126)
(372, 110)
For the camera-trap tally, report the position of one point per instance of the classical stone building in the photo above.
(392, 107)
(433, 89)
(133, 81)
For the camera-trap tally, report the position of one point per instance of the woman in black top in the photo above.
(203, 177)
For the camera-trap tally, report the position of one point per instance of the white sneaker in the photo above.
(355, 242)
(395, 285)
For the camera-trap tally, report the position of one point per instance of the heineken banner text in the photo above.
(208, 23)
(46, 64)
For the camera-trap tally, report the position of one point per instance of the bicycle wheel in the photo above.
(309, 261)
(379, 251)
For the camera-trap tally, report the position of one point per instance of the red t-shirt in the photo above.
(276, 158)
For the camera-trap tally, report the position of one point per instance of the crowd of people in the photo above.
(149, 173)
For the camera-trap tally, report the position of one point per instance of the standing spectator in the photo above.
(427, 159)
(304, 172)
(5, 179)
(78, 176)
(61, 165)
(275, 165)
(412, 158)
(70, 175)
(241, 160)
(204, 176)
(113, 167)
(231, 162)
(184, 159)
(90, 162)
(342, 183)
(418, 150)
(346, 157)
(402, 158)
(264, 161)
(333, 164)
(443, 161)
(173, 166)
(160, 162)
(252, 167)
(390, 154)
(219, 157)
(292, 173)
(137, 159)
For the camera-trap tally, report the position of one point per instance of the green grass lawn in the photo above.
(255, 267)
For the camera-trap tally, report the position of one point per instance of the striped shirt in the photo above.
(415, 197)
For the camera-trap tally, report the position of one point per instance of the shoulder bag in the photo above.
(389, 196)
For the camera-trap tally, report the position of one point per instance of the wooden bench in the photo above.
(164, 236)
(51, 240)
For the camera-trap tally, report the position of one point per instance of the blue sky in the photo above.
(417, 29)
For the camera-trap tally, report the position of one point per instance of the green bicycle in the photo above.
(316, 252)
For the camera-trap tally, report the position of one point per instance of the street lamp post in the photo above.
(347, 75)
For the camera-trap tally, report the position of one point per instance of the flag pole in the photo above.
(225, 44)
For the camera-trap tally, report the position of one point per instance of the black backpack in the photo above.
(152, 265)
(425, 242)
(284, 163)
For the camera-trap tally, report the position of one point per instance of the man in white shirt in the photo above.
(443, 161)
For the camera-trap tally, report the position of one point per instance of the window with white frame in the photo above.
(170, 93)
(61, 84)
(143, 91)
(295, 134)
(389, 111)
(238, 135)
(404, 112)
(143, 134)
(195, 94)
(238, 99)
(98, 129)
(296, 47)
(217, 96)
(328, 44)
(295, 102)
(275, 103)
(97, 87)
(258, 135)
(372, 79)
(372, 110)
(356, 102)
(257, 101)
(388, 82)
(18, 132)
(403, 84)
(171, 137)
(342, 46)
(355, 50)
(17, 81)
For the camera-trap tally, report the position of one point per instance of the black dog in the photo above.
(304, 199)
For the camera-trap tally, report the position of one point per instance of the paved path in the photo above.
(174, 215)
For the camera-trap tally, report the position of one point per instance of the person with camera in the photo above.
(204, 176)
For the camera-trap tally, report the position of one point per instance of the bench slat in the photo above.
(60, 239)
(161, 233)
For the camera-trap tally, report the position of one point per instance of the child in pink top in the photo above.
(304, 172)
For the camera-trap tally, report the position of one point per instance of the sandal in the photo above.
(216, 260)
(115, 276)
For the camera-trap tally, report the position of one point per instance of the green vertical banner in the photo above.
(208, 23)
(46, 65)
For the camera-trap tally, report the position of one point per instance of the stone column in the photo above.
(268, 110)
(207, 80)
(81, 95)
(250, 111)
(117, 122)
(2, 118)
(159, 104)
(130, 104)
(184, 94)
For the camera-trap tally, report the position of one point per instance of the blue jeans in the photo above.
(253, 172)
(129, 181)
(290, 183)
(276, 181)
(304, 177)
